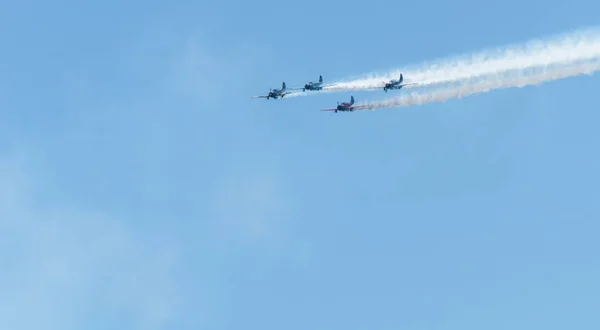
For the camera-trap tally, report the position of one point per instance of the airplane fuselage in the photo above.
(312, 87)
(345, 107)
(392, 86)
(275, 94)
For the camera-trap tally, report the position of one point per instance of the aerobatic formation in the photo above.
(318, 86)
(535, 62)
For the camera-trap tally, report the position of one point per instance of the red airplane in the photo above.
(347, 106)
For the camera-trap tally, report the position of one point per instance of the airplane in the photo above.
(396, 84)
(314, 86)
(346, 106)
(274, 93)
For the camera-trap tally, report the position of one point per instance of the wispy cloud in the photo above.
(204, 70)
(250, 207)
(64, 267)
(248, 203)
(76, 251)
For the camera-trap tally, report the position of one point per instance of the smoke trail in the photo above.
(561, 49)
(485, 85)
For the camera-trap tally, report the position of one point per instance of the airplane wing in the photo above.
(411, 84)
(358, 107)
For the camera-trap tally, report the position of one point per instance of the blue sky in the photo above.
(142, 188)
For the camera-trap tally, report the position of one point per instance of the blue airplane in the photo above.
(274, 93)
(396, 84)
(314, 86)
(346, 106)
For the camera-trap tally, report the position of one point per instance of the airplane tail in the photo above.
(283, 86)
(351, 99)
(320, 79)
(401, 78)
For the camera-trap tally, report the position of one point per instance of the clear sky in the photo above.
(142, 188)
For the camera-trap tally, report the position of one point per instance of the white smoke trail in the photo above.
(485, 85)
(561, 49)
(301, 93)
